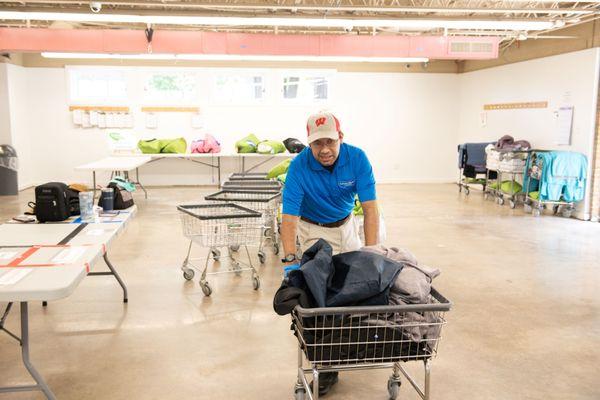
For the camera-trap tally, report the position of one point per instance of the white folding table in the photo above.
(118, 165)
(42, 283)
(57, 257)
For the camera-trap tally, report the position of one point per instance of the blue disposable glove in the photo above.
(288, 268)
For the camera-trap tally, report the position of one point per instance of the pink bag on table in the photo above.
(207, 145)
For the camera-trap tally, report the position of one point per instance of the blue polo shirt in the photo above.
(313, 192)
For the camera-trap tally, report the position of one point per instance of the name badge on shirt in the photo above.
(346, 184)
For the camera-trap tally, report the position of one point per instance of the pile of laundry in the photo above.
(372, 276)
(556, 176)
(252, 144)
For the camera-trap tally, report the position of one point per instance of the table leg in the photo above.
(137, 178)
(94, 182)
(40, 383)
(219, 168)
(3, 321)
(114, 273)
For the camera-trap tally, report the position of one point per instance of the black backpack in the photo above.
(123, 199)
(293, 145)
(52, 202)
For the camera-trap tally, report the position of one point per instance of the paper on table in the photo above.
(95, 232)
(7, 255)
(68, 255)
(13, 276)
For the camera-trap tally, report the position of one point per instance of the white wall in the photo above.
(394, 117)
(5, 136)
(564, 80)
(18, 95)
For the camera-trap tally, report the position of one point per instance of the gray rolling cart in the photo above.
(361, 338)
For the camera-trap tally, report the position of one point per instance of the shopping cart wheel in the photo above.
(299, 394)
(459, 188)
(536, 212)
(216, 254)
(555, 209)
(235, 247)
(261, 257)
(276, 248)
(501, 200)
(486, 196)
(567, 212)
(467, 191)
(512, 203)
(527, 208)
(235, 267)
(255, 282)
(393, 388)
(188, 274)
(206, 289)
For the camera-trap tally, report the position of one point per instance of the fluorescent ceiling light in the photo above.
(519, 25)
(232, 57)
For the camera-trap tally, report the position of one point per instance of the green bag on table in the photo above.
(151, 146)
(177, 146)
(279, 169)
(247, 144)
(270, 147)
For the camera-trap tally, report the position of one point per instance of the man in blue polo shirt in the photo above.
(319, 192)
(318, 198)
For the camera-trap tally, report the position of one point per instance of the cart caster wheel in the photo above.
(501, 201)
(459, 188)
(256, 283)
(467, 191)
(536, 212)
(276, 248)
(188, 274)
(235, 267)
(234, 248)
(567, 212)
(216, 254)
(512, 204)
(555, 209)
(299, 394)
(486, 196)
(527, 208)
(393, 388)
(267, 232)
(261, 257)
(206, 289)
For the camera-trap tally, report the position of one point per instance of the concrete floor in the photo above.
(525, 322)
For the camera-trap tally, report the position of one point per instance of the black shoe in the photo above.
(326, 382)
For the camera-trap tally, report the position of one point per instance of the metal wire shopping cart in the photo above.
(253, 185)
(509, 163)
(267, 203)
(359, 338)
(220, 225)
(248, 176)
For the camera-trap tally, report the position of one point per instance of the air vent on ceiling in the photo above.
(471, 47)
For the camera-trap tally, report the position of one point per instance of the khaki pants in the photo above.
(342, 239)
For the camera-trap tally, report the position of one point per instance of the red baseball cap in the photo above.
(322, 125)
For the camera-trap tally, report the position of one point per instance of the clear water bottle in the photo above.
(86, 206)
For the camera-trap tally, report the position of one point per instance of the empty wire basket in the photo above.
(220, 225)
(356, 338)
(267, 203)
